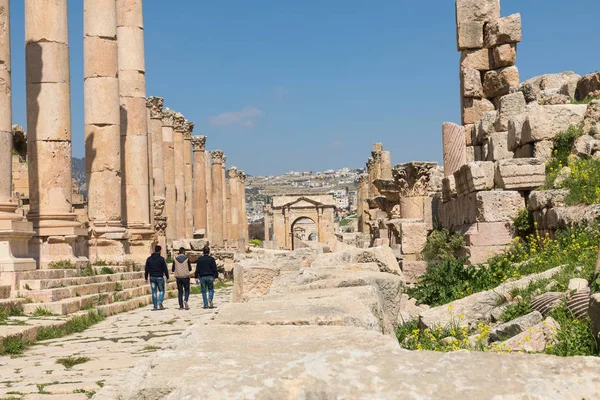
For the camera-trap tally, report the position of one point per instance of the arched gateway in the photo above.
(299, 218)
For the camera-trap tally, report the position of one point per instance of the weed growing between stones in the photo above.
(62, 264)
(106, 271)
(443, 245)
(583, 182)
(587, 100)
(70, 362)
(563, 144)
(42, 312)
(87, 271)
(100, 263)
(88, 393)
(75, 325)
(149, 349)
(575, 336)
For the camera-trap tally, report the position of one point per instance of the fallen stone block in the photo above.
(503, 30)
(499, 82)
(533, 340)
(561, 217)
(540, 199)
(489, 234)
(543, 150)
(383, 256)
(545, 122)
(413, 270)
(520, 174)
(252, 280)
(498, 147)
(510, 105)
(413, 236)
(577, 284)
(516, 326)
(473, 109)
(548, 302)
(515, 129)
(505, 55)
(474, 177)
(594, 314)
(565, 83)
(588, 86)
(498, 205)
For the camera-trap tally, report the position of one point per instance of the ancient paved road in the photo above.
(113, 346)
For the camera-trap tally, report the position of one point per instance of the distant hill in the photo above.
(79, 172)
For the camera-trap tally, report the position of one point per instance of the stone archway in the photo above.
(303, 229)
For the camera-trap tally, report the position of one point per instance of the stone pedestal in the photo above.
(179, 167)
(199, 178)
(454, 147)
(217, 227)
(49, 136)
(188, 179)
(169, 165)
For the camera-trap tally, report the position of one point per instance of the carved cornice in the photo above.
(218, 157)
(168, 117)
(188, 128)
(224, 158)
(199, 143)
(376, 155)
(232, 173)
(179, 122)
(155, 105)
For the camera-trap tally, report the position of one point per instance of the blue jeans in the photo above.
(157, 284)
(207, 282)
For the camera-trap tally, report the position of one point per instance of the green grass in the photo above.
(574, 337)
(87, 271)
(149, 348)
(106, 271)
(100, 263)
(42, 312)
(74, 325)
(587, 100)
(563, 144)
(70, 362)
(62, 264)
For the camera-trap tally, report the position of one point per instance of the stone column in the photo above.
(372, 171)
(134, 127)
(267, 221)
(178, 130)
(107, 240)
(14, 232)
(217, 197)
(188, 178)
(209, 202)
(386, 165)
(199, 177)
(242, 220)
(454, 146)
(49, 136)
(155, 128)
(225, 208)
(233, 208)
(362, 195)
(169, 164)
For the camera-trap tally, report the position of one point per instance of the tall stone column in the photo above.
(242, 220)
(217, 227)
(49, 136)
(169, 165)
(386, 165)
(199, 182)
(454, 146)
(155, 127)
(233, 208)
(209, 201)
(188, 177)
(267, 222)
(134, 127)
(14, 232)
(178, 131)
(225, 209)
(373, 172)
(361, 206)
(107, 240)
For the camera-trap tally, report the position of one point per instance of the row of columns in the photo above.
(148, 179)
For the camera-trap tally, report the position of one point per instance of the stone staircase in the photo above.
(65, 292)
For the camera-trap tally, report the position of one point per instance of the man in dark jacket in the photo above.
(207, 275)
(156, 267)
(181, 269)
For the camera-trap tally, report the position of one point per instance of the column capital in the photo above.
(376, 155)
(198, 143)
(370, 163)
(232, 173)
(155, 105)
(168, 117)
(179, 122)
(242, 176)
(188, 128)
(218, 156)
(362, 178)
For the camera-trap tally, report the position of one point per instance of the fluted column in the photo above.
(102, 131)
(188, 178)
(225, 209)
(155, 127)
(242, 219)
(217, 197)
(454, 146)
(233, 184)
(169, 172)
(134, 126)
(14, 232)
(49, 136)
(199, 177)
(178, 130)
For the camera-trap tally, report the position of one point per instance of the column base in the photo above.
(108, 243)
(14, 246)
(141, 243)
(58, 240)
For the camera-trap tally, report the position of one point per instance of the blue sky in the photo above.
(311, 84)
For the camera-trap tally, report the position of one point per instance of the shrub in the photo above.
(62, 264)
(70, 362)
(256, 243)
(574, 336)
(87, 271)
(100, 263)
(523, 223)
(443, 245)
(563, 144)
(42, 312)
(583, 182)
(107, 271)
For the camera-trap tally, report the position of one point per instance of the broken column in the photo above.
(189, 184)
(155, 128)
(453, 137)
(134, 128)
(108, 237)
(199, 176)
(362, 195)
(169, 166)
(386, 165)
(217, 197)
(233, 208)
(178, 131)
(49, 136)
(14, 231)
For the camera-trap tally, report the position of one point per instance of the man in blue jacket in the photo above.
(156, 268)
(207, 275)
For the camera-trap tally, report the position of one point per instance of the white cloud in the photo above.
(244, 117)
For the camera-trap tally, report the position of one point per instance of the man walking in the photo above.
(156, 268)
(207, 275)
(181, 270)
